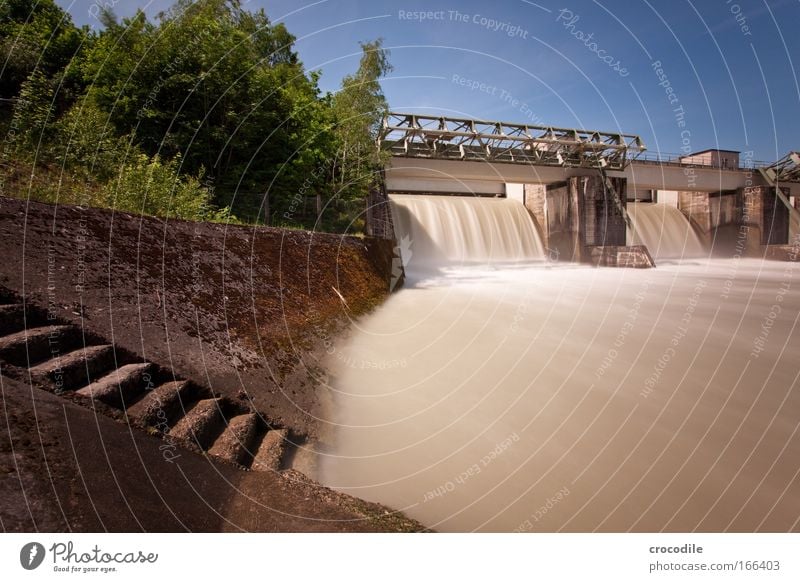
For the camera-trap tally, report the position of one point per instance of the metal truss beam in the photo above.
(787, 169)
(422, 136)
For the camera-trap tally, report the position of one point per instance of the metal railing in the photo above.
(670, 159)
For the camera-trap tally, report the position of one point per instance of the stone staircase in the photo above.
(62, 358)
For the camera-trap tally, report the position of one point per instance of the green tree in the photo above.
(206, 107)
(359, 108)
(38, 36)
(216, 84)
(33, 110)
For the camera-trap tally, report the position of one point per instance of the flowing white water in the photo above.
(541, 398)
(461, 229)
(664, 230)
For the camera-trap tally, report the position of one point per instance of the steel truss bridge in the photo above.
(453, 155)
(422, 136)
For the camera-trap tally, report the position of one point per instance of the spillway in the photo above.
(664, 230)
(561, 397)
(462, 229)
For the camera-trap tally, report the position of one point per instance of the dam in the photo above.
(519, 385)
(577, 184)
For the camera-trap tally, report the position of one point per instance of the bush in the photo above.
(152, 186)
(34, 112)
(86, 141)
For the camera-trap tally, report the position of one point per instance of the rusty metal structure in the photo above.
(787, 169)
(423, 136)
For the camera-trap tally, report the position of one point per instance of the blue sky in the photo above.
(730, 66)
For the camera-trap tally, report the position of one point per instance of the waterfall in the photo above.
(461, 229)
(664, 230)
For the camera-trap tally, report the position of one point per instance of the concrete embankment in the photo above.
(237, 315)
(247, 310)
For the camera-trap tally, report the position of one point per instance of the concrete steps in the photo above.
(74, 369)
(236, 441)
(161, 407)
(271, 451)
(30, 346)
(61, 359)
(201, 425)
(122, 385)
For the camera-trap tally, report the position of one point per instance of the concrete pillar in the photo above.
(579, 222)
(602, 224)
(765, 217)
(668, 197)
(715, 217)
(556, 212)
(697, 208)
(535, 200)
(515, 192)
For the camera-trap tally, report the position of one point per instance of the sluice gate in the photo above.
(577, 186)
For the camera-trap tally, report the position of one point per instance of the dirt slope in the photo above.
(247, 310)
(64, 468)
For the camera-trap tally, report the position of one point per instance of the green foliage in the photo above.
(360, 104)
(208, 107)
(38, 36)
(152, 186)
(33, 110)
(220, 86)
(87, 141)
(359, 108)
